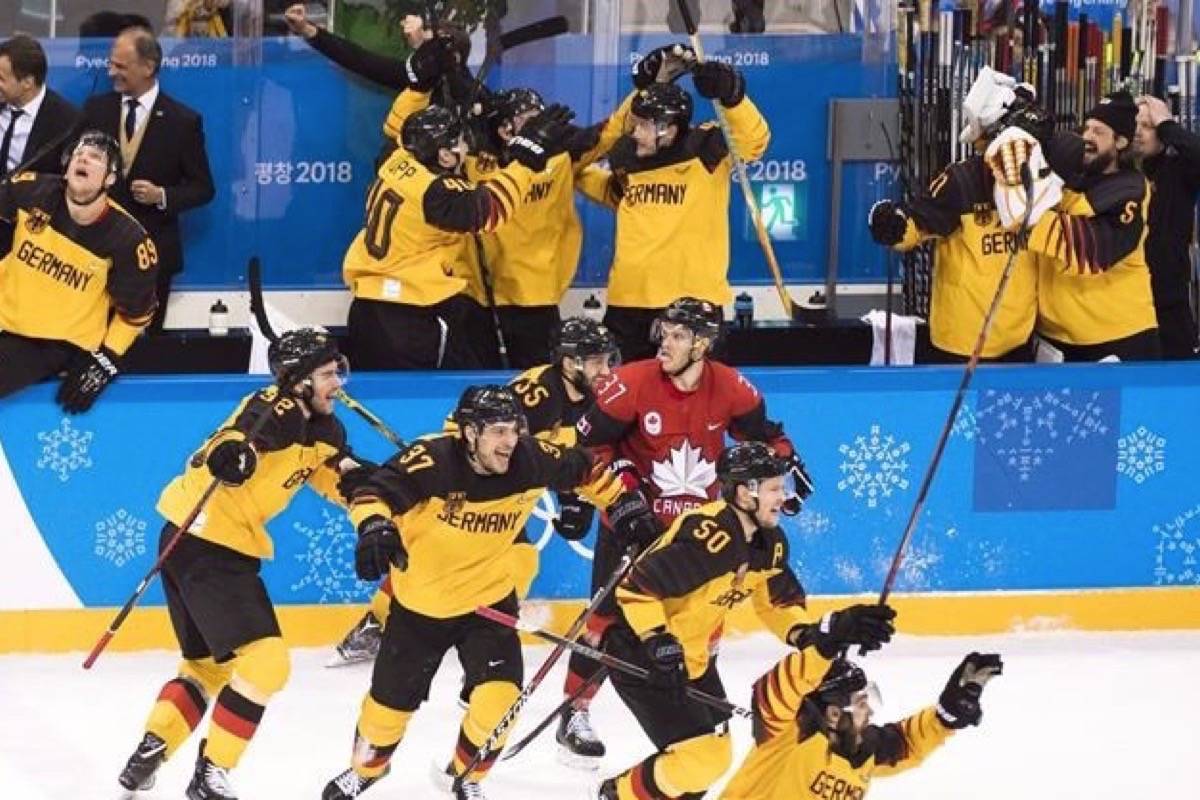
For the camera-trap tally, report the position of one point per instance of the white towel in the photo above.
(904, 336)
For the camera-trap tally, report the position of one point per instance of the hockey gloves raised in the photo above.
(958, 706)
(542, 137)
(87, 375)
(429, 62)
(232, 462)
(632, 520)
(355, 478)
(574, 518)
(663, 65)
(667, 670)
(379, 548)
(887, 222)
(1007, 156)
(868, 626)
(717, 80)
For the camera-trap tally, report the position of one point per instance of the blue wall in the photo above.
(1055, 477)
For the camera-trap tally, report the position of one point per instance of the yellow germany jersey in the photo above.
(793, 760)
(673, 212)
(415, 245)
(972, 248)
(458, 526)
(84, 284)
(1095, 284)
(699, 571)
(292, 451)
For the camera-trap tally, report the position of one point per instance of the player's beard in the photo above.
(1099, 163)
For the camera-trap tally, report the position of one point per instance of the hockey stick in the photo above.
(510, 716)
(610, 661)
(258, 308)
(960, 395)
(739, 166)
(594, 679)
(182, 530)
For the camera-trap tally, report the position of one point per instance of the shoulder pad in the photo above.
(1113, 191)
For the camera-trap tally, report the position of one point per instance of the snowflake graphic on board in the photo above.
(813, 523)
(685, 472)
(64, 449)
(874, 466)
(1141, 455)
(1177, 550)
(120, 537)
(965, 424)
(1025, 429)
(328, 557)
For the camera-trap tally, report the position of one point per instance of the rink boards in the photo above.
(1066, 499)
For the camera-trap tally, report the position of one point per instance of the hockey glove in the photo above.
(574, 518)
(667, 670)
(1008, 155)
(887, 222)
(632, 520)
(958, 706)
(717, 80)
(232, 462)
(355, 478)
(663, 65)
(379, 548)
(87, 375)
(542, 137)
(429, 62)
(869, 626)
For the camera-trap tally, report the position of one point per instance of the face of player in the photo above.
(850, 722)
(771, 494)
(87, 174)
(677, 345)
(1145, 139)
(649, 136)
(129, 73)
(494, 447)
(327, 381)
(596, 368)
(13, 90)
(1100, 147)
(513, 126)
(452, 158)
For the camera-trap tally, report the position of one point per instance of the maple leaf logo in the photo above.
(685, 471)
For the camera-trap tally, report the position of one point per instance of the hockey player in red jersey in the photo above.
(663, 421)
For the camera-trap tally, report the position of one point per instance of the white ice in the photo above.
(1075, 716)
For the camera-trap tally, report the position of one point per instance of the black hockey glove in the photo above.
(575, 516)
(632, 520)
(87, 376)
(667, 670)
(542, 137)
(232, 462)
(379, 548)
(869, 626)
(717, 80)
(958, 706)
(887, 222)
(429, 62)
(663, 65)
(356, 478)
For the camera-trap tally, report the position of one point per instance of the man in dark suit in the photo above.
(35, 120)
(162, 141)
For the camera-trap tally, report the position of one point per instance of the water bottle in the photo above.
(743, 310)
(593, 309)
(218, 319)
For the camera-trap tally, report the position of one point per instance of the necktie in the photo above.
(131, 105)
(6, 144)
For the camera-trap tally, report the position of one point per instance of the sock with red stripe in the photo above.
(235, 718)
(177, 712)
(489, 701)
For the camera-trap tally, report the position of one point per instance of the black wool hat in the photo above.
(1117, 111)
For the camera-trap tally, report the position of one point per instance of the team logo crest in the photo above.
(37, 221)
(984, 214)
(455, 502)
(652, 422)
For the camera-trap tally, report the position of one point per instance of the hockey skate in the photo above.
(443, 778)
(209, 782)
(349, 784)
(578, 745)
(361, 643)
(138, 775)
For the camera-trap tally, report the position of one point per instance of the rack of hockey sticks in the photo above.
(1071, 61)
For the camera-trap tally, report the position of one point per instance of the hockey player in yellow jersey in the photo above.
(233, 653)
(673, 606)
(78, 285)
(441, 518)
(412, 268)
(812, 734)
(669, 184)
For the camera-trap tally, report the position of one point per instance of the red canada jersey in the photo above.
(673, 438)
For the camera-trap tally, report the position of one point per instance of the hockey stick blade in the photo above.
(257, 306)
(542, 29)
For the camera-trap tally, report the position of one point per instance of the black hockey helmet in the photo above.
(428, 131)
(101, 141)
(580, 337)
(843, 680)
(665, 104)
(511, 103)
(745, 462)
(699, 316)
(487, 404)
(295, 354)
